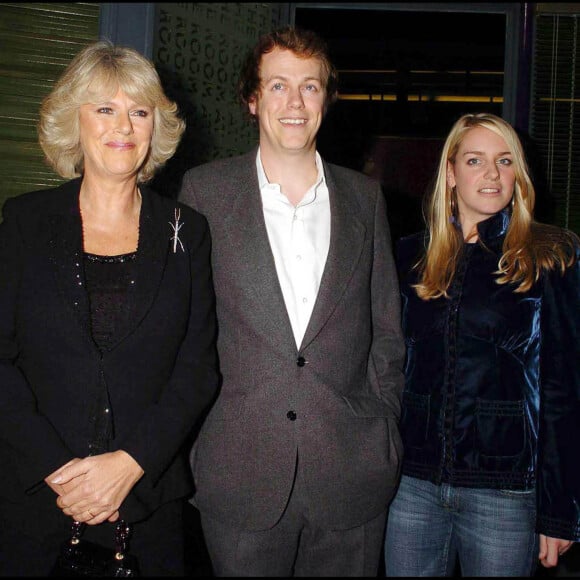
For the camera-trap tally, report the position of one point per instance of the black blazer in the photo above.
(161, 373)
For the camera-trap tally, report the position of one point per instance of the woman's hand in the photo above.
(551, 549)
(61, 489)
(95, 487)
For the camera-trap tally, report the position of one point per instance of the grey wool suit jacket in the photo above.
(333, 405)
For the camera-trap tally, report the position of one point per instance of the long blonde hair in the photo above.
(528, 247)
(94, 75)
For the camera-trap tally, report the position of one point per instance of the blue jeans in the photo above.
(492, 531)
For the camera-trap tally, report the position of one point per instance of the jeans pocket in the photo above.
(525, 498)
(518, 492)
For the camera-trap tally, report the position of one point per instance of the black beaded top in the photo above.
(109, 282)
(109, 278)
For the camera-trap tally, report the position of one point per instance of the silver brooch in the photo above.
(176, 227)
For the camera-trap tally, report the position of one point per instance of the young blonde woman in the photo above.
(491, 407)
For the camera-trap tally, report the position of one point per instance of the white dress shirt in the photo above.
(299, 238)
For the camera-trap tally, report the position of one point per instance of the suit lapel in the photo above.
(66, 252)
(347, 236)
(154, 240)
(246, 234)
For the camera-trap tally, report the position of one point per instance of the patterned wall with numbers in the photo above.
(198, 51)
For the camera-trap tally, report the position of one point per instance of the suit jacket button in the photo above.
(301, 361)
(291, 415)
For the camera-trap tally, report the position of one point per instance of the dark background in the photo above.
(421, 70)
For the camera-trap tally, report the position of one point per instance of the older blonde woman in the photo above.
(491, 406)
(107, 356)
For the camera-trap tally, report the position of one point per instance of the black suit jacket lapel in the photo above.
(154, 240)
(65, 243)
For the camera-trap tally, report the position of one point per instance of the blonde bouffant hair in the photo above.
(95, 75)
(529, 247)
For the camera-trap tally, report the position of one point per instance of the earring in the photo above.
(452, 206)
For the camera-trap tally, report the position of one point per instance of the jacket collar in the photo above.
(347, 237)
(495, 227)
(66, 254)
(245, 227)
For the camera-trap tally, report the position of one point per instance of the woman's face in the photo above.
(484, 176)
(115, 136)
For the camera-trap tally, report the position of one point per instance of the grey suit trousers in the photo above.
(295, 546)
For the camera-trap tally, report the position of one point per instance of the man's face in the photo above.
(290, 104)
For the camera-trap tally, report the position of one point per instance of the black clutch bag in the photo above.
(79, 557)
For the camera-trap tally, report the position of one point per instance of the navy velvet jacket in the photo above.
(492, 393)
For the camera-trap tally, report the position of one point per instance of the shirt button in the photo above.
(291, 415)
(301, 361)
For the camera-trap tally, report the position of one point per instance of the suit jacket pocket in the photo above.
(367, 406)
